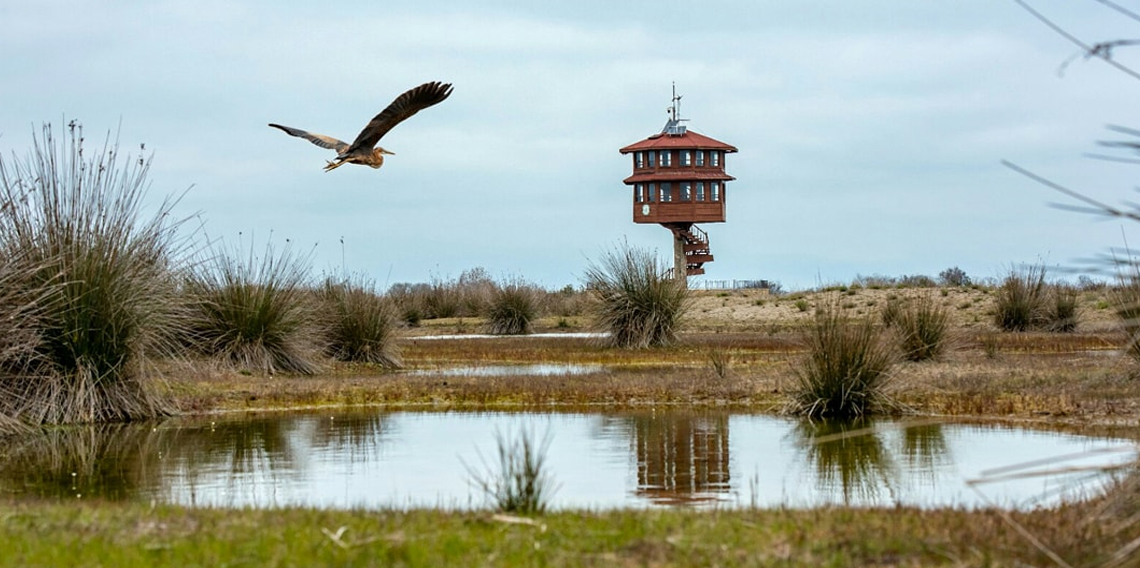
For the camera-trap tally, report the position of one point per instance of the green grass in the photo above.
(130, 535)
(637, 303)
(845, 369)
(72, 226)
(256, 313)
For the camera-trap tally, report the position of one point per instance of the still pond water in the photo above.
(372, 458)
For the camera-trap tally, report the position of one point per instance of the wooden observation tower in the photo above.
(678, 181)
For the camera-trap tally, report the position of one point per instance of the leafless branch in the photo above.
(1102, 50)
(1095, 207)
(1120, 9)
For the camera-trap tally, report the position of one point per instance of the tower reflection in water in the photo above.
(682, 458)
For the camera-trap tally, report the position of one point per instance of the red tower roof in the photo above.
(688, 139)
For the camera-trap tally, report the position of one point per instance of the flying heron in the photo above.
(363, 150)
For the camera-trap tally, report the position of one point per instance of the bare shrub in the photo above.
(954, 276)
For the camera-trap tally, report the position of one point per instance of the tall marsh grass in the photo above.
(513, 306)
(362, 324)
(19, 332)
(1020, 300)
(257, 313)
(922, 327)
(72, 228)
(845, 370)
(637, 304)
(1025, 302)
(1126, 303)
(1062, 308)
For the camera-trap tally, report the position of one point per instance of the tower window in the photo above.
(640, 159)
(666, 192)
(652, 190)
(700, 191)
(686, 158)
(686, 191)
(652, 158)
(715, 187)
(640, 193)
(700, 158)
(666, 158)
(714, 159)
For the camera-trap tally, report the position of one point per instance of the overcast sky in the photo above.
(870, 133)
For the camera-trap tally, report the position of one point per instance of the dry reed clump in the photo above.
(72, 229)
(514, 305)
(720, 361)
(845, 370)
(362, 324)
(1063, 315)
(637, 304)
(255, 313)
(1126, 302)
(19, 336)
(1025, 302)
(891, 310)
(1020, 300)
(921, 326)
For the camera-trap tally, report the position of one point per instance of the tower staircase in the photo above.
(696, 247)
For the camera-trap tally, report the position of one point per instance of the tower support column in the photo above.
(680, 261)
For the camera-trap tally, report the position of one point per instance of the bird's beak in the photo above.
(383, 151)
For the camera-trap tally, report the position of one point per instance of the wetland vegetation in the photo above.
(109, 316)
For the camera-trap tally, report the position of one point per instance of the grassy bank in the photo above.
(123, 535)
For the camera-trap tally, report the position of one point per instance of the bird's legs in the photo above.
(330, 166)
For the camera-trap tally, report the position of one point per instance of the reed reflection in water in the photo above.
(645, 458)
(855, 460)
(107, 461)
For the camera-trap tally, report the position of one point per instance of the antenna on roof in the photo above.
(676, 103)
(674, 127)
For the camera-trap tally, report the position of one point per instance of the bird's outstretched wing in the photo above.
(405, 105)
(318, 139)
